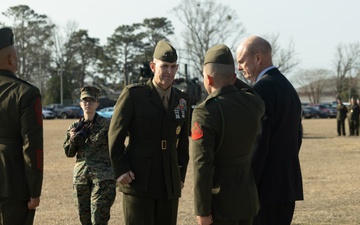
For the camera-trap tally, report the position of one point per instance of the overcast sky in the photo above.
(315, 26)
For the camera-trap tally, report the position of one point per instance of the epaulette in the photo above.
(210, 100)
(135, 85)
(250, 90)
(17, 79)
(180, 91)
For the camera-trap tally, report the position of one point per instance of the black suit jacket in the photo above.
(275, 159)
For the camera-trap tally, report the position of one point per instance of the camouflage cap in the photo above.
(89, 92)
(6, 37)
(219, 54)
(164, 51)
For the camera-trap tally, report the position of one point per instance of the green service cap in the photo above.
(6, 37)
(89, 92)
(219, 54)
(164, 51)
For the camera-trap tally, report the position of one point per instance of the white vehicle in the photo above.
(47, 114)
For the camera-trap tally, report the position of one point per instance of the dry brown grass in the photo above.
(330, 166)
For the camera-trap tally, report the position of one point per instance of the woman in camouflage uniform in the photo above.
(93, 180)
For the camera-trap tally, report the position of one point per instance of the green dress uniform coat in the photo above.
(224, 129)
(21, 138)
(157, 151)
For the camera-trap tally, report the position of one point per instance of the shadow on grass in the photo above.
(315, 137)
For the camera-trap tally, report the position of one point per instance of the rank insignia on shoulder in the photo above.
(196, 132)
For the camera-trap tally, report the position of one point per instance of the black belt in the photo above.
(162, 143)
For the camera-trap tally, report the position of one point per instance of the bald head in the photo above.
(255, 44)
(253, 55)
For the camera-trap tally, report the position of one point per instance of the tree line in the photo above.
(50, 58)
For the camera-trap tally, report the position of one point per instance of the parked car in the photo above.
(332, 112)
(331, 108)
(106, 112)
(47, 114)
(55, 108)
(70, 112)
(313, 112)
(307, 112)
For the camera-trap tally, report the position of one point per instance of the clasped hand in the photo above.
(126, 178)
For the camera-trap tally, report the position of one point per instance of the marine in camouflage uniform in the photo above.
(21, 140)
(93, 178)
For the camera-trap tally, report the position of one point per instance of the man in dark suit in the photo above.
(224, 129)
(21, 140)
(275, 159)
(151, 169)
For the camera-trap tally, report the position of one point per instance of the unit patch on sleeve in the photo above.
(196, 132)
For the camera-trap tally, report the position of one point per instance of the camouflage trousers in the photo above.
(94, 201)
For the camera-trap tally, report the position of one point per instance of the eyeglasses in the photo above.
(89, 101)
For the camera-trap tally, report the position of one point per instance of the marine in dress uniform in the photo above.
(151, 169)
(224, 129)
(21, 140)
(94, 186)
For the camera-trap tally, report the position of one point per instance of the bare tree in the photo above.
(283, 58)
(346, 59)
(207, 23)
(315, 83)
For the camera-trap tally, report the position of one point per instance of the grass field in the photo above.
(330, 167)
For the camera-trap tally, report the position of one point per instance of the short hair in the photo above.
(220, 72)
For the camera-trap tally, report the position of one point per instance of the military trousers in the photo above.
(94, 201)
(148, 211)
(354, 127)
(341, 127)
(15, 212)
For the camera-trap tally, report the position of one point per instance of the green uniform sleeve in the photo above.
(32, 134)
(202, 144)
(118, 130)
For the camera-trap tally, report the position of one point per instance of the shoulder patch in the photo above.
(196, 132)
